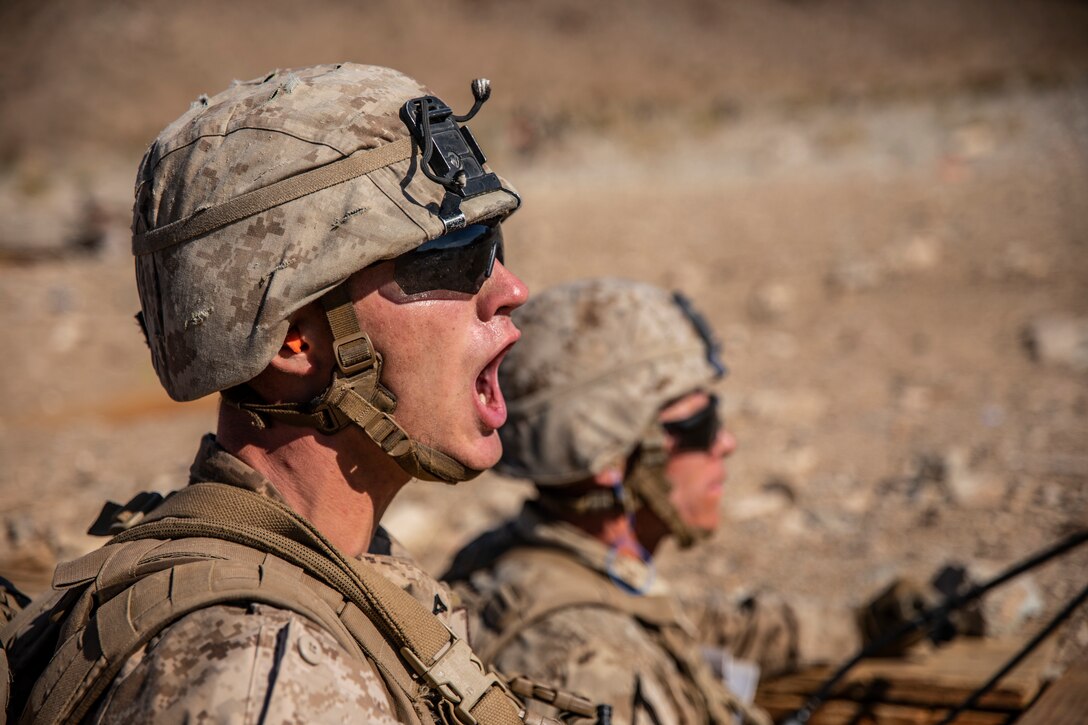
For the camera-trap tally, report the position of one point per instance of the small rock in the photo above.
(797, 461)
(1013, 605)
(915, 398)
(858, 502)
(65, 336)
(1057, 340)
(411, 523)
(793, 524)
(920, 253)
(798, 406)
(971, 488)
(792, 149)
(69, 542)
(771, 302)
(826, 633)
(762, 505)
(855, 275)
(19, 530)
(781, 345)
(975, 140)
(992, 415)
(1021, 262)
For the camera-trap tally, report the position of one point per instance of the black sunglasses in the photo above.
(698, 431)
(460, 261)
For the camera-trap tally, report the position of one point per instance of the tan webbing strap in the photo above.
(120, 568)
(82, 570)
(260, 200)
(234, 514)
(379, 650)
(85, 665)
(340, 312)
(559, 699)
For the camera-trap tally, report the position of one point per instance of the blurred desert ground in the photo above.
(883, 207)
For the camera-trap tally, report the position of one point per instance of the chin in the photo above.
(484, 454)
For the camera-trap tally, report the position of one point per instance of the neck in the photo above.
(651, 530)
(614, 530)
(341, 483)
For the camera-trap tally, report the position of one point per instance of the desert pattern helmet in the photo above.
(597, 361)
(263, 198)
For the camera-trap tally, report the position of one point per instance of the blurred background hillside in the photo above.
(883, 208)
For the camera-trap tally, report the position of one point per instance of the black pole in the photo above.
(1027, 649)
(936, 614)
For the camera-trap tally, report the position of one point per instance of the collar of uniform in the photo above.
(534, 526)
(215, 464)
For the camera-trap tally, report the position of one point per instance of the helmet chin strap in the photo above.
(357, 397)
(647, 481)
(645, 485)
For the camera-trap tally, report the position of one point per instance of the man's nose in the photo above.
(724, 444)
(502, 292)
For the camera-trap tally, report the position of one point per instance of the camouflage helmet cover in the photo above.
(596, 362)
(216, 307)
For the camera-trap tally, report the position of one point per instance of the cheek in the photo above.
(694, 483)
(683, 495)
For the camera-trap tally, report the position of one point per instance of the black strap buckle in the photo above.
(115, 518)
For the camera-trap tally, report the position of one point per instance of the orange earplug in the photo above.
(294, 341)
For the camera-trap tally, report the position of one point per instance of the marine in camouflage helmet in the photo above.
(603, 364)
(613, 415)
(262, 199)
(323, 246)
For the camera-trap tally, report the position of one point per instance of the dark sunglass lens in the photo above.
(457, 262)
(698, 431)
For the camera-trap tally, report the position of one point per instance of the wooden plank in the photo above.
(844, 712)
(946, 675)
(918, 688)
(1063, 703)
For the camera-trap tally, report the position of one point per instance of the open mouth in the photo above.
(489, 401)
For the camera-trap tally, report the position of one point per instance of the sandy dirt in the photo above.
(883, 208)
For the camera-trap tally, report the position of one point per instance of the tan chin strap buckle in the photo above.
(457, 676)
(355, 353)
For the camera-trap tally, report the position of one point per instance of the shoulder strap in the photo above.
(144, 587)
(511, 611)
(444, 663)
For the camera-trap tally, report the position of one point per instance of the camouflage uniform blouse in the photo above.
(603, 653)
(250, 664)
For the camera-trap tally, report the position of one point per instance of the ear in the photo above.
(609, 476)
(306, 349)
